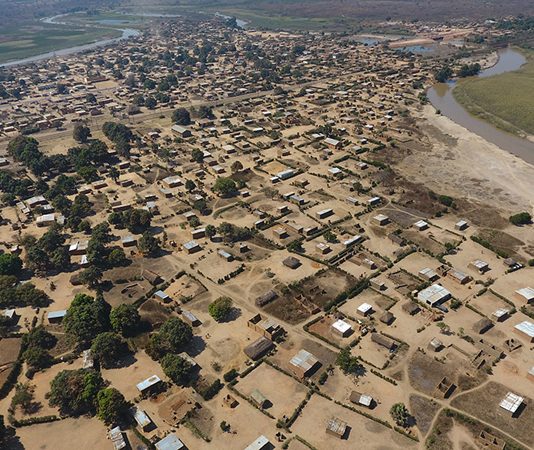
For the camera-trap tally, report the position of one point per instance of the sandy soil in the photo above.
(503, 180)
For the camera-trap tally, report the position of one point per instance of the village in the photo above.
(206, 244)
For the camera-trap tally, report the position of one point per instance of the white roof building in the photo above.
(511, 402)
(260, 443)
(434, 295)
(341, 326)
(148, 383)
(527, 293)
(526, 328)
(365, 308)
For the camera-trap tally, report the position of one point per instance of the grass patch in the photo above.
(504, 100)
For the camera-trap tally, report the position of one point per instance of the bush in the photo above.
(230, 375)
(522, 218)
(212, 390)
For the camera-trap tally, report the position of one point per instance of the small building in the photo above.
(324, 213)
(482, 325)
(56, 316)
(388, 318)
(435, 345)
(88, 361)
(323, 248)
(141, 418)
(411, 308)
(459, 277)
(258, 348)
(303, 364)
(511, 403)
(461, 225)
(384, 341)
(428, 274)
(189, 318)
(361, 399)
(291, 262)
(170, 442)
(192, 247)
(149, 385)
(381, 219)
(152, 277)
(336, 427)
(341, 328)
(479, 265)
(373, 201)
(162, 296)
(434, 295)
(11, 316)
(500, 314)
(198, 233)
(526, 330)
(267, 327)
(260, 443)
(352, 241)
(525, 294)
(181, 131)
(230, 401)
(228, 257)
(259, 399)
(266, 298)
(365, 309)
(421, 225)
(117, 438)
(128, 241)
(280, 233)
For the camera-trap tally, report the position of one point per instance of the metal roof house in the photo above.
(525, 329)
(148, 384)
(511, 402)
(170, 442)
(303, 364)
(260, 443)
(56, 316)
(434, 295)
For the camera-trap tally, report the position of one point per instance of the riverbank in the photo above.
(505, 100)
(460, 163)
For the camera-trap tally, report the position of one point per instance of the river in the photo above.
(126, 34)
(441, 97)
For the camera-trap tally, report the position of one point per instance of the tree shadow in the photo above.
(13, 443)
(232, 315)
(196, 346)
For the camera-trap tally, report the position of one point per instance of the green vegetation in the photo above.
(36, 38)
(400, 414)
(125, 319)
(220, 308)
(176, 368)
(522, 218)
(348, 363)
(111, 405)
(74, 392)
(108, 348)
(225, 187)
(502, 100)
(86, 318)
(170, 338)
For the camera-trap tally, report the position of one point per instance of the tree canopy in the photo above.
(125, 319)
(176, 368)
(10, 264)
(170, 338)
(75, 392)
(181, 116)
(220, 308)
(225, 187)
(108, 348)
(86, 318)
(111, 405)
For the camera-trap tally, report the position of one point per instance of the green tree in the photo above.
(522, 218)
(197, 155)
(149, 245)
(347, 362)
(125, 319)
(176, 368)
(117, 258)
(225, 187)
(220, 308)
(111, 405)
(91, 277)
(330, 237)
(109, 347)
(211, 231)
(190, 185)
(400, 414)
(81, 133)
(181, 116)
(170, 338)
(38, 358)
(86, 318)
(74, 392)
(10, 264)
